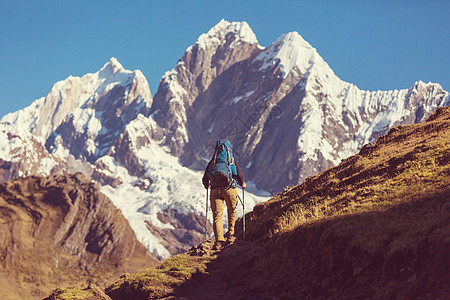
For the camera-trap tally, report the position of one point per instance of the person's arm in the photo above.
(205, 177)
(239, 176)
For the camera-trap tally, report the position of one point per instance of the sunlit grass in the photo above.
(155, 282)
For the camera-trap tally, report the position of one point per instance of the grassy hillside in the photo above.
(375, 227)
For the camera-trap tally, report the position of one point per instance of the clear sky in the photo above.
(378, 45)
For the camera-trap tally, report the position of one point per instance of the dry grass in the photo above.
(154, 283)
(73, 293)
(361, 251)
(92, 292)
(410, 162)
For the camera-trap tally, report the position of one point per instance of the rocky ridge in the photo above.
(61, 229)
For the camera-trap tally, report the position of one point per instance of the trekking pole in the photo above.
(206, 216)
(243, 210)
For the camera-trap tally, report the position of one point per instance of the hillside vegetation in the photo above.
(377, 226)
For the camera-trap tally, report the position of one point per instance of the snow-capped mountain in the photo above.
(215, 52)
(282, 106)
(285, 111)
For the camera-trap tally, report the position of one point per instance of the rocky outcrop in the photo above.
(58, 229)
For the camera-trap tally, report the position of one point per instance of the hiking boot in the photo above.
(218, 245)
(228, 234)
(231, 239)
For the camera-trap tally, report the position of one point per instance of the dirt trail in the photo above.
(218, 281)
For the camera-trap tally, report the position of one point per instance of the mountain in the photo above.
(100, 125)
(282, 106)
(377, 226)
(284, 110)
(61, 230)
(75, 120)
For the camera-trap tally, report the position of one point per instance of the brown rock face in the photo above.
(60, 230)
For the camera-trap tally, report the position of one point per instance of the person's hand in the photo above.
(244, 185)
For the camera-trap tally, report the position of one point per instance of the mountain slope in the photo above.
(374, 227)
(79, 97)
(60, 230)
(213, 53)
(80, 118)
(23, 155)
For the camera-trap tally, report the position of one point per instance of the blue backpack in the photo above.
(220, 172)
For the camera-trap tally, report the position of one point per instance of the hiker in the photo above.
(221, 174)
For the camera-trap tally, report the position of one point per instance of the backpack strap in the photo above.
(215, 155)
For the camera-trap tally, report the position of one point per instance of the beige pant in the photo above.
(230, 196)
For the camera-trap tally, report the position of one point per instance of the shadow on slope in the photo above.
(401, 252)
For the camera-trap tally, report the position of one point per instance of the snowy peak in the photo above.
(240, 31)
(44, 115)
(434, 94)
(291, 52)
(112, 66)
(89, 130)
(213, 54)
(113, 73)
(83, 116)
(422, 87)
(294, 39)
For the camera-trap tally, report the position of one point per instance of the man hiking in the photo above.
(221, 174)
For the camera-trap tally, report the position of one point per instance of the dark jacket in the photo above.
(239, 177)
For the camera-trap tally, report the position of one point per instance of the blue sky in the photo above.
(378, 45)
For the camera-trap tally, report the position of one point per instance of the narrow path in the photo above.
(217, 281)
